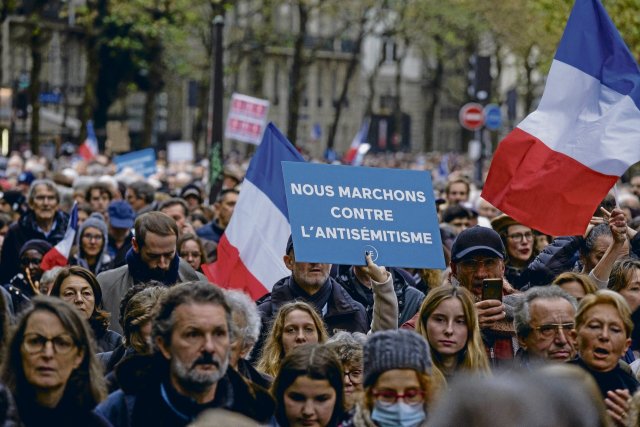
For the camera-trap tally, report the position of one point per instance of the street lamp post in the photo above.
(214, 122)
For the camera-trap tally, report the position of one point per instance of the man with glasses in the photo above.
(544, 316)
(189, 370)
(43, 221)
(478, 254)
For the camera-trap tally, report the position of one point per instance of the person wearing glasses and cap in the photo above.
(478, 254)
(519, 242)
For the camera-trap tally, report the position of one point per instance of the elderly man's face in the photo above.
(551, 321)
(200, 347)
(471, 271)
(44, 203)
(307, 274)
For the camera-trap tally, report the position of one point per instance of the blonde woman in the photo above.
(449, 322)
(295, 324)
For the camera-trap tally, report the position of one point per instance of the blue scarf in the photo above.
(142, 273)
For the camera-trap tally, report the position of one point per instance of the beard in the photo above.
(193, 379)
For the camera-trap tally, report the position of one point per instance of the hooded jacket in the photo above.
(103, 262)
(147, 398)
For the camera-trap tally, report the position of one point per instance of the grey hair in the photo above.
(348, 347)
(525, 399)
(50, 275)
(591, 239)
(243, 304)
(195, 292)
(47, 183)
(522, 317)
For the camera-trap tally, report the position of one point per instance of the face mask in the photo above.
(398, 414)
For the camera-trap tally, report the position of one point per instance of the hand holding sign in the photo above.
(372, 270)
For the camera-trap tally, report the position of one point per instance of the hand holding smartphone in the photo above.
(492, 289)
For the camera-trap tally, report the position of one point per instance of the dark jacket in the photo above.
(617, 378)
(343, 313)
(65, 414)
(559, 256)
(409, 298)
(21, 293)
(118, 255)
(210, 231)
(108, 340)
(148, 399)
(22, 231)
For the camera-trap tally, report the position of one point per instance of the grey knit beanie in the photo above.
(96, 220)
(397, 349)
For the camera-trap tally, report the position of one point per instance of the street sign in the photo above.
(492, 117)
(472, 116)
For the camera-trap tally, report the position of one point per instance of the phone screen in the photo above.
(492, 289)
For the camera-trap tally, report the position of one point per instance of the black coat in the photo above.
(22, 231)
(343, 312)
(140, 402)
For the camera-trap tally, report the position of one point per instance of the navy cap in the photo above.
(26, 177)
(121, 214)
(477, 240)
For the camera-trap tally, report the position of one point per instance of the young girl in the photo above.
(449, 322)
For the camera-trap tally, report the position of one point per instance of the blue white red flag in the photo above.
(251, 249)
(59, 254)
(357, 150)
(555, 167)
(88, 150)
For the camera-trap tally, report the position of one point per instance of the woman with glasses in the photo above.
(79, 287)
(91, 245)
(449, 322)
(308, 390)
(519, 241)
(295, 324)
(398, 383)
(190, 249)
(51, 368)
(348, 347)
(602, 335)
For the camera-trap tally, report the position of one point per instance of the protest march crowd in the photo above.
(126, 328)
(128, 300)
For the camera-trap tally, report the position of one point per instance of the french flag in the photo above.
(359, 146)
(88, 150)
(251, 249)
(555, 167)
(59, 254)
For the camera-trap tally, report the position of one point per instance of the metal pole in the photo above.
(214, 125)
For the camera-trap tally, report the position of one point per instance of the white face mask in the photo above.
(398, 414)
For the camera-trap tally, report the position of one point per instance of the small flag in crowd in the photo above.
(88, 150)
(59, 254)
(359, 146)
(555, 167)
(251, 249)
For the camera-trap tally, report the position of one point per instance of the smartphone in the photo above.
(492, 289)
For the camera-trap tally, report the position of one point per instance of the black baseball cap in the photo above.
(477, 240)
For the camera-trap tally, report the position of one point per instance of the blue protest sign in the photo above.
(339, 212)
(492, 117)
(141, 161)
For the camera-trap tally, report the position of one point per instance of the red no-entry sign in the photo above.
(472, 116)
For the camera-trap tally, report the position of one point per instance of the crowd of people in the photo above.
(522, 328)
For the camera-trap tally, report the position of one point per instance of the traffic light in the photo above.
(479, 78)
